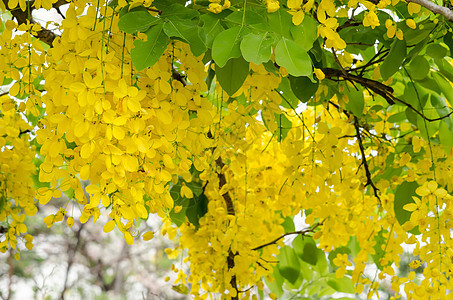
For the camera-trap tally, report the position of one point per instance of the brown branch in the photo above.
(376, 86)
(379, 88)
(437, 9)
(222, 182)
(178, 76)
(369, 181)
(420, 113)
(230, 209)
(348, 23)
(23, 17)
(10, 273)
(301, 232)
(72, 250)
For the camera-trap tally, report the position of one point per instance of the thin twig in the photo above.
(301, 232)
(369, 181)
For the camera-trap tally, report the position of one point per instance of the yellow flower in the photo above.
(215, 8)
(272, 6)
(319, 74)
(371, 19)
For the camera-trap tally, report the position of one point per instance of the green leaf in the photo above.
(356, 102)
(288, 264)
(293, 57)
(283, 126)
(413, 37)
(256, 48)
(227, 45)
(146, 54)
(343, 285)
(179, 11)
(416, 50)
(445, 68)
(305, 33)
(403, 196)
(398, 117)
(289, 100)
(165, 4)
(436, 51)
(211, 27)
(446, 124)
(232, 75)
(246, 18)
(310, 254)
(187, 31)
(135, 21)
(448, 40)
(306, 249)
(193, 208)
(303, 87)
(411, 95)
(288, 224)
(395, 58)
(419, 68)
(445, 86)
(280, 22)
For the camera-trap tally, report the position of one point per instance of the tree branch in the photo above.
(441, 10)
(72, 250)
(301, 232)
(379, 88)
(369, 181)
(230, 209)
(45, 35)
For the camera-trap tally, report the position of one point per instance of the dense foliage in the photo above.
(229, 118)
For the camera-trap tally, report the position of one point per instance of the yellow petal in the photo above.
(128, 237)
(109, 226)
(148, 235)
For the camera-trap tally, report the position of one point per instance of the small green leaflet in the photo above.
(444, 85)
(246, 17)
(403, 196)
(356, 102)
(289, 265)
(446, 124)
(135, 21)
(232, 75)
(283, 126)
(445, 68)
(280, 22)
(180, 11)
(293, 57)
(305, 33)
(256, 48)
(436, 51)
(303, 87)
(393, 61)
(288, 224)
(289, 99)
(187, 31)
(227, 45)
(211, 27)
(418, 68)
(193, 208)
(343, 285)
(146, 54)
